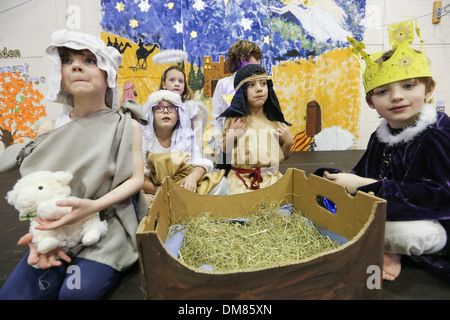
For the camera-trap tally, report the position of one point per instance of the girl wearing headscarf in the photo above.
(169, 149)
(256, 137)
(100, 145)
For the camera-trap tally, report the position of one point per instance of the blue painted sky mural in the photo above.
(283, 29)
(304, 45)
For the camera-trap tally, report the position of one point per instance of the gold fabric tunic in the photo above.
(256, 156)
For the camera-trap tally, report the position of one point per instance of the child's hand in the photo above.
(284, 134)
(239, 125)
(349, 180)
(43, 261)
(237, 128)
(189, 183)
(81, 208)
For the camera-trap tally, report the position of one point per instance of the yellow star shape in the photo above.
(170, 5)
(193, 34)
(133, 23)
(228, 97)
(120, 6)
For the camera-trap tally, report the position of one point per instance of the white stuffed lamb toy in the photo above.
(36, 195)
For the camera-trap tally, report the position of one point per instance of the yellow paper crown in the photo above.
(405, 62)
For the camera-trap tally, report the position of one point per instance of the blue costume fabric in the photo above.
(412, 169)
(83, 279)
(414, 176)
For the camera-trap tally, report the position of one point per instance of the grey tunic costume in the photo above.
(96, 149)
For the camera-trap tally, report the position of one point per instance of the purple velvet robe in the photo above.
(413, 173)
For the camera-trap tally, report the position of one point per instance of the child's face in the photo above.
(174, 81)
(400, 102)
(257, 93)
(81, 76)
(165, 118)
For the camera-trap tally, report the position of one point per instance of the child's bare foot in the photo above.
(391, 266)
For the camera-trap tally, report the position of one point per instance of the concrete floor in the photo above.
(414, 283)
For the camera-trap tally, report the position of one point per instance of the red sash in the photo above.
(255, 173)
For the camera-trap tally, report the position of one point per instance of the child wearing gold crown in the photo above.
(407, 160)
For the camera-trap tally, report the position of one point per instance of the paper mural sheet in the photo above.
(304, 45)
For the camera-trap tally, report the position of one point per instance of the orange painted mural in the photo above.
(20, 108)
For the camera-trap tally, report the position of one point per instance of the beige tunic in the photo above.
(96, 149)
(258, 148)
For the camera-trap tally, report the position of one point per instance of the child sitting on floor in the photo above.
(407, 159)
(168, 149)
(256, 136)
(100, 145)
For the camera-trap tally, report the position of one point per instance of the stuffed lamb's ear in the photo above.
(63, 177)
(11, 196)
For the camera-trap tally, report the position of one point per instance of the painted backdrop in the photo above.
(304, 44)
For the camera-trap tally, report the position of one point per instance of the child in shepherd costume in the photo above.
(100, 144)
(256, 137)
(241, 53)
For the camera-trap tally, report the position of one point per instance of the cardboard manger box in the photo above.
(351, 271)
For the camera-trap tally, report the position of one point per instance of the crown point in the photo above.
(403, 64)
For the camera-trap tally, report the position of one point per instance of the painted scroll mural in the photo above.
(304, 44)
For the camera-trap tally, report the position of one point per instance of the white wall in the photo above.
(436, 38)
(27, 26)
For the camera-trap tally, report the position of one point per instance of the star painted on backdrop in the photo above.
(246, 23)
(169, 5)
(194, 34)
(267, 39)
(120, 6)
(179, 27)
(133, 23)
(228, 97)
(199, 5)
(144, 6)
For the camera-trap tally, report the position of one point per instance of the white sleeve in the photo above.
(219, 104)
(145, 151)
(198, 160)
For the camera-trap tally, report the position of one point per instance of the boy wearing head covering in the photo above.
(241, 53)
(407, 160)
(101, 146)
(256, 137)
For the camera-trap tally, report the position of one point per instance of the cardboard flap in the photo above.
(351, 211)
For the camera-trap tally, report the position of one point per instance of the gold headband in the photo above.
(259, 76)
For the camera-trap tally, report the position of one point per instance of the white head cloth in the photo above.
(108, 59)
(182, 135)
